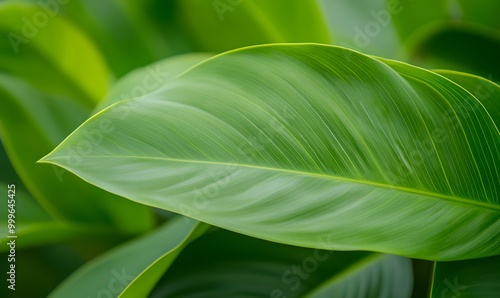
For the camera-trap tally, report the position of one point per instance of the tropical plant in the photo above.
(250, 148)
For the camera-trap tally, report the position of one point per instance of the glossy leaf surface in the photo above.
(310, 145)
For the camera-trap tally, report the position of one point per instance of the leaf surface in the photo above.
(486, 91)
(310, 145)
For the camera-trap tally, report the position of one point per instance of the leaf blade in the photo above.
(307, 143)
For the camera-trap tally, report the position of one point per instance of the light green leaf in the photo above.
(31, 123)
(132, 269)
(258, 268)
(309, 145)
(50, 53)
(220, 25)
(145, 80)
(467, 279)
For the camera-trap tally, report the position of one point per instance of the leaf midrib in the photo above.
(455, 199)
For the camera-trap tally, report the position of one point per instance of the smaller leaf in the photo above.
(467, 279)
(240, 265)
(132, 268)
(376, 276)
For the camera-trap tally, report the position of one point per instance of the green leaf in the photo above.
(309, 145)
(50, 53)
(256, 268)
(146, 80)
(133, 268)
(467, 279)
(376, 276)
(31, 123)
(221, 25)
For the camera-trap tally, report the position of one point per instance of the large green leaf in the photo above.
(309, 145)
(50, 53)
(222, 25)
(132, 269)
(31, 123)
(241, 265)
(467, 279)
